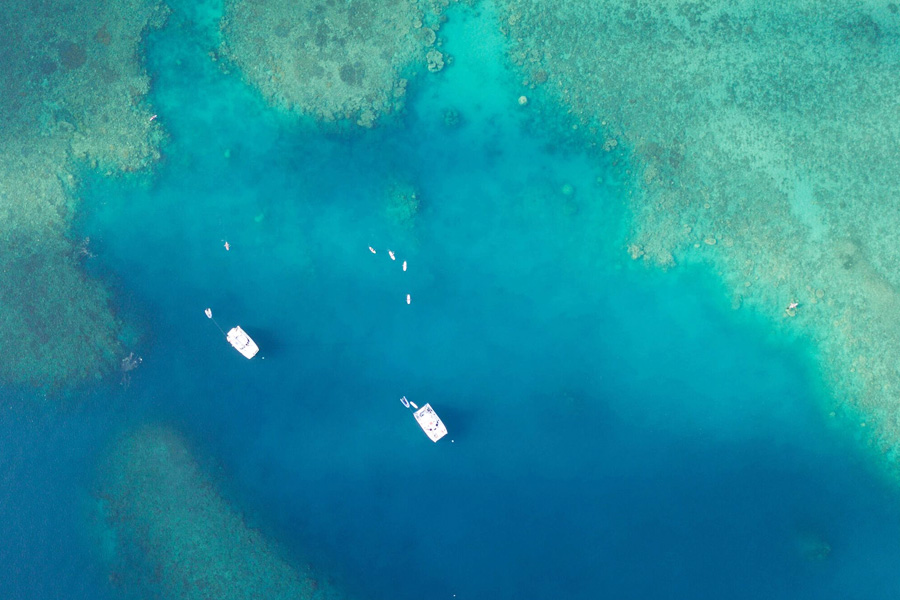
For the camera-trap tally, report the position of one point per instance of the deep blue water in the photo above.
(617, 432)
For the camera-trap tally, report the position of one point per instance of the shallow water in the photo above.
(615, 431)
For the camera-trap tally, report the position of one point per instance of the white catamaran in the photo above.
(238, 338)
(242, 342)
(427, 419)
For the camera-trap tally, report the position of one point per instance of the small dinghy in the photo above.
(427, 419)
(237, 337)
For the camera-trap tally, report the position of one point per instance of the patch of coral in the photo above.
(335, 60)
(170, 531)
(763, 142)
(72, 92)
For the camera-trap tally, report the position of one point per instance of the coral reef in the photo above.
(334, 60)
(55, 324)
(812, 546)
(71, 90)
(402, 202)
(170, 533)
(452, 119)
(763, 142)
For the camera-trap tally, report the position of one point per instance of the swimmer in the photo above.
(791, 310)
(408, 299)
(371, 249)
(404, 265)
(227, 246)
(391, 254)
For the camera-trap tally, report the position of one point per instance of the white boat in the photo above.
(427, 419)
(237, 337)
(242, 342)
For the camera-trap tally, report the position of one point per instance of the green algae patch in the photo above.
(763, 143)
(169, 532)
(334, 60)
(72, 92)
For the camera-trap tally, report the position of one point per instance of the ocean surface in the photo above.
(615, 431)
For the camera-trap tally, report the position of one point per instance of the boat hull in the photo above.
(242, 342)
(430, 423)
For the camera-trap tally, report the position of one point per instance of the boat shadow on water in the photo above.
(269, 341)
(457, 420)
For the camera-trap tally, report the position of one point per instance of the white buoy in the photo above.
(391, 254)
(371, 249)
(404, 265)
(408, 299)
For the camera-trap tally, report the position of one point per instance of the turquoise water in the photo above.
(616, 432)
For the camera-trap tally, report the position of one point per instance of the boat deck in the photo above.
(430, 423)
(238, 338)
